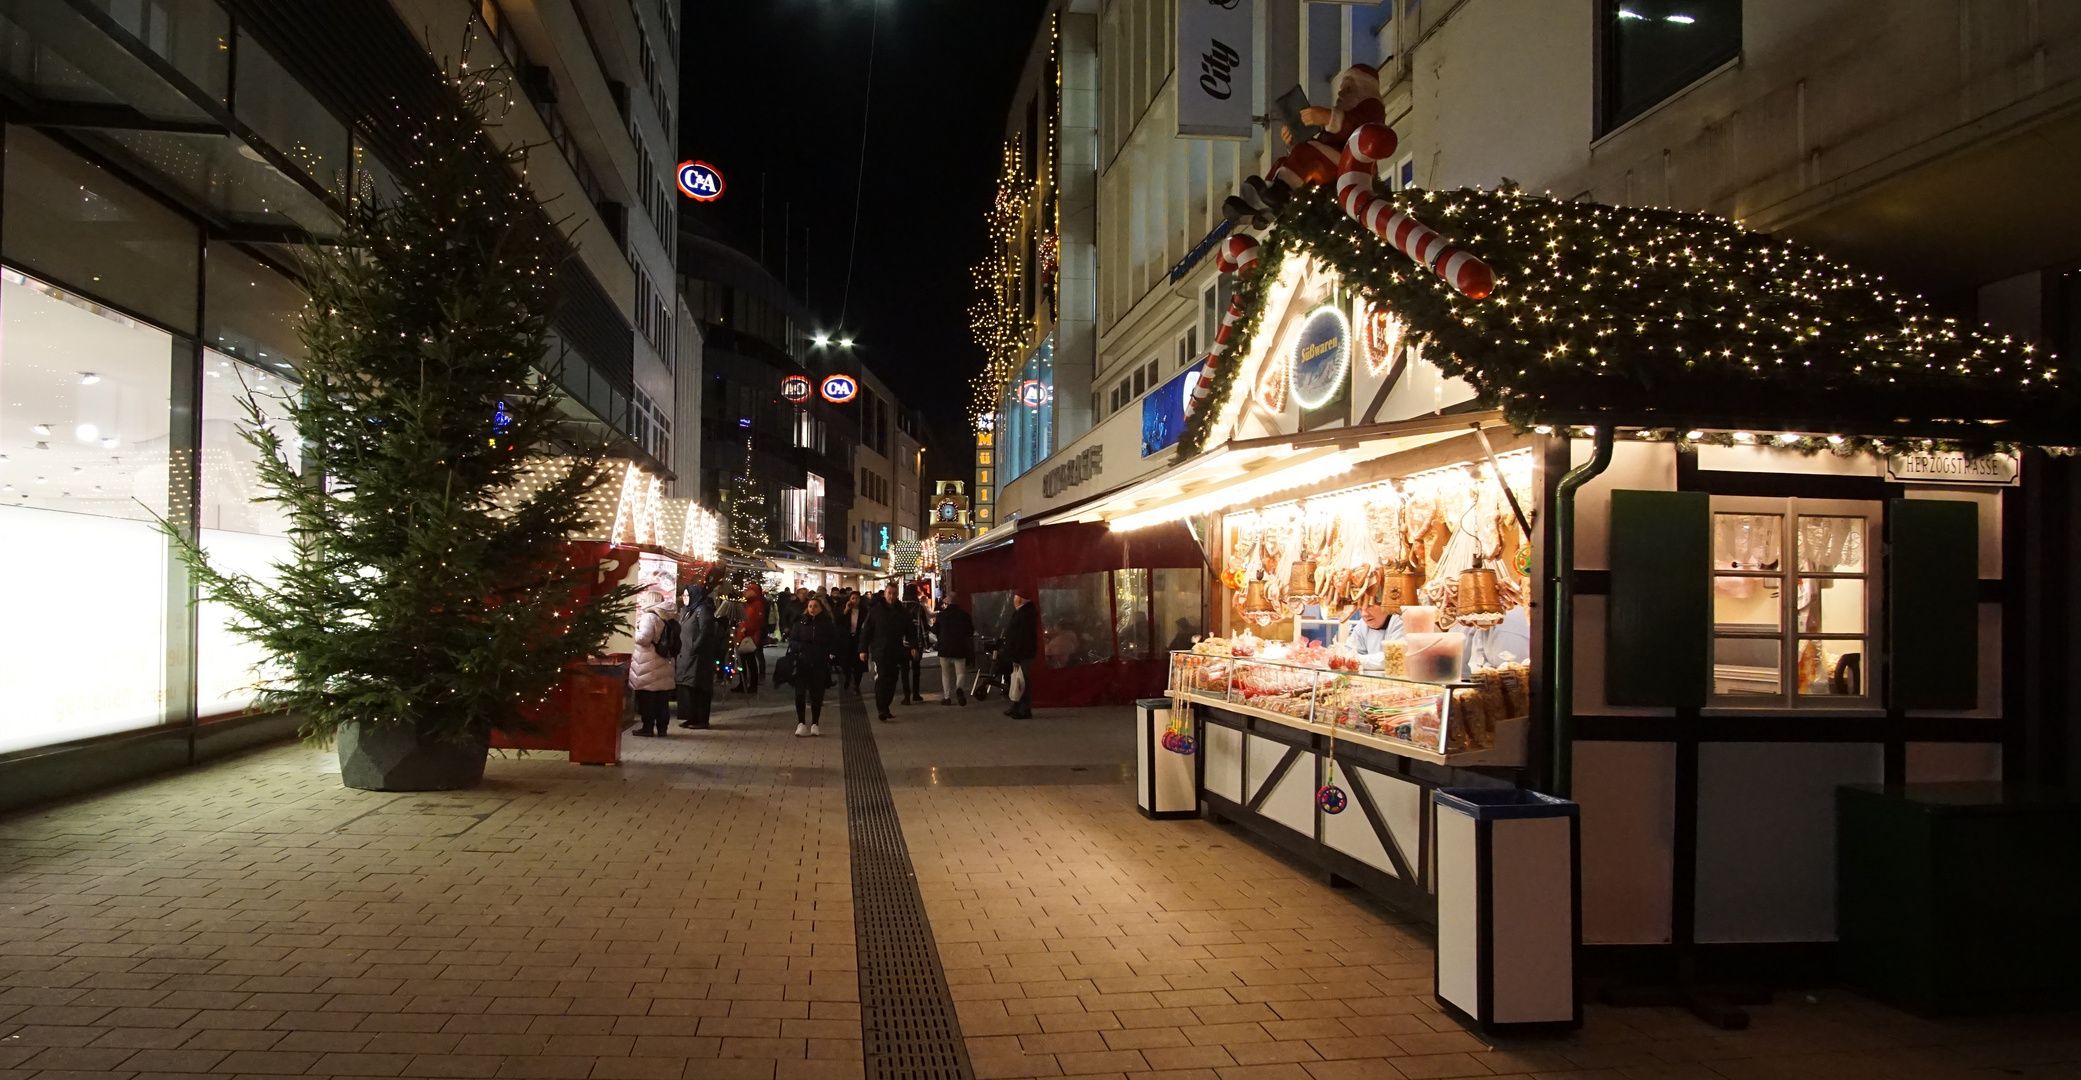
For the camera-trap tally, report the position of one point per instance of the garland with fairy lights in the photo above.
(998, 320)
(1662, 319)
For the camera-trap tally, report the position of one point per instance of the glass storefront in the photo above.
(1027, 431)
(85, 396)
(126, 346)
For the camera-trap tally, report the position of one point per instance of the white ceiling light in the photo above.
(86, 433)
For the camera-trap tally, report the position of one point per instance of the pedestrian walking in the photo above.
(954, 630)
(889, 638)
(751, 640)
(814, 645)
(850, 621)
(650, 665)
(913, 668)
(1021, 642)
(694, 668)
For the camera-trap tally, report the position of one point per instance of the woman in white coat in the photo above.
(650, 666)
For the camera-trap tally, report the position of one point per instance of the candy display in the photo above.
(1310, 685)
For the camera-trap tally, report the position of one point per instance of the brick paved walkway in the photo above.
(689, 915)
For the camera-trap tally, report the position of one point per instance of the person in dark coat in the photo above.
(852, 618)
(815, 644)
(955, 632)
(694, 667)
(889, 638)
(913, 668)
(1021, 642)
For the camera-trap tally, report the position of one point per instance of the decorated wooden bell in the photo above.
(1300, 584)
(1256, 608)
(1480, 600)
(1398, 589)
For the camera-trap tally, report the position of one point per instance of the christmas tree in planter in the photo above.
(429, 598)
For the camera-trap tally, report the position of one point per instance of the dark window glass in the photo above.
(76, 224)
(193, 35)
(281, 111)
(1653, 48)
(250, 311)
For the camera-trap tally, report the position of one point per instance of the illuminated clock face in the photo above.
(946, 511)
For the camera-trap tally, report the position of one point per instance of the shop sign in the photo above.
(839, 389)
(1951, 467)
(795, 388)
(1215, 69)
(700, 181)
(1074, 472)
(1321, 357)
(1163, 412)
(1033, 393)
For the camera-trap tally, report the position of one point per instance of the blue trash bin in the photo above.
(1509, 909)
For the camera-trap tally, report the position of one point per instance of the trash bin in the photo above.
(1509, 909)
(1165, 749)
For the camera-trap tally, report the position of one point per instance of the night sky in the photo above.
(775, 87)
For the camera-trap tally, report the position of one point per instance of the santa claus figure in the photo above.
(1315, 160)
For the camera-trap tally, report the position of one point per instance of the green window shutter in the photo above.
(1658, 626)
(1933, 585)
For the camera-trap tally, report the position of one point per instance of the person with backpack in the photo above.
(694, 668)
(650, 665)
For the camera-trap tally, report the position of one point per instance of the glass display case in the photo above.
(1431, 720)
(1434, 721)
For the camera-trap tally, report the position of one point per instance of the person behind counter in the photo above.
(1509, 641)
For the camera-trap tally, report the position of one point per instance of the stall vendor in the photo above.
(1509, 641)
(1370, 628)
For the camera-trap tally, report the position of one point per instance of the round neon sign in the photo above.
(700, 181)
(839, 389)
(1321, 355)
(795, 388)
(1033, 393)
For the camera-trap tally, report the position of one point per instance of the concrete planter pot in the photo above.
(392, 757)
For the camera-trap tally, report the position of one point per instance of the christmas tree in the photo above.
(426, 585)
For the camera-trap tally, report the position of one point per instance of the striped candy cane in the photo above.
(1236, 254)
(1369, 144)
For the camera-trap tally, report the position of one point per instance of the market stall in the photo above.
(1688, 525)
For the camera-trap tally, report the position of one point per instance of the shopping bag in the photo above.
(1018, 690)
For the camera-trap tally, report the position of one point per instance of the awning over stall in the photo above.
(1246, 472)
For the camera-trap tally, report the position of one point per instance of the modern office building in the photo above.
(777, 452)
(162, 162)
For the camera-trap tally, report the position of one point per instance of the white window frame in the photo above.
(1788, 634)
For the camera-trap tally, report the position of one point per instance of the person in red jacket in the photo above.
(752, 664)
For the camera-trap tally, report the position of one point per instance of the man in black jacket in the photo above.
(889, 637)
(955, 632)
(1021, 642)
(694, 667)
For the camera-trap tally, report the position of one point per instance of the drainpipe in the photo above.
(1561, 625)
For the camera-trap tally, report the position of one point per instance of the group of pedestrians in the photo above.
(831, 638)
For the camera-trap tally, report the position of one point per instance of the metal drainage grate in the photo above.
(908, 1029)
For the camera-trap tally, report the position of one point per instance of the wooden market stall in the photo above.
(1708, 525)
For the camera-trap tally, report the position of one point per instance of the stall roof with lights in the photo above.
(1660, 319)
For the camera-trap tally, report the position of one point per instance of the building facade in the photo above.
(1929, 145)
(889, 469)
(161, 163)
(776, 452)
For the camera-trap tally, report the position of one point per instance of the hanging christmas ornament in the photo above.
(1332, 799)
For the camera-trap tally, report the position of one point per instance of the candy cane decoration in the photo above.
(1236, 255)
(1369, 144)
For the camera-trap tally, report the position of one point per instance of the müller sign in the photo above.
(1075, 471)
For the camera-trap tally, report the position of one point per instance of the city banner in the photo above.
(1215, 69)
